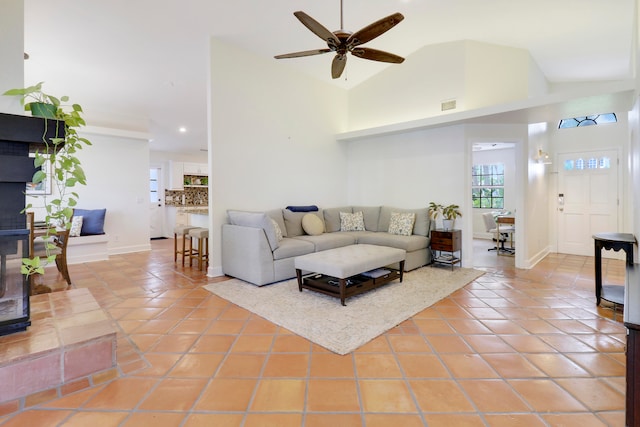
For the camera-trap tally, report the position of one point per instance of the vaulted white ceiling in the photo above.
(142, 64)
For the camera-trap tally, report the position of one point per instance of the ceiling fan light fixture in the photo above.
(342, 42)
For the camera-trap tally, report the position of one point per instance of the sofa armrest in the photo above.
(246, 254)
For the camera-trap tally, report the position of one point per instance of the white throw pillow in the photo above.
(351, 221)
(76, 226)
(312, 224)
(401, 223)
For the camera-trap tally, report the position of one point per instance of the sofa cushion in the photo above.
(371, 216)
(332, 218)
(408, 243)
(402, 223)
(329, 240)
(255, 220)
(276, 215)
(421, 227)
(290, 247)
(312, 225)
(351, 221)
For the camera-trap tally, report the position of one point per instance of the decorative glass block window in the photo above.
(595, 119)
(487, 187)
(592, 163)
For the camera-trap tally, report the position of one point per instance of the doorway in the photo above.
(156, 217)
(587, 199)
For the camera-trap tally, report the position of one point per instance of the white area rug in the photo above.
(322, 320)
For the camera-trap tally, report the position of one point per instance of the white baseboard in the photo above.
(87, 249)
(215, 271)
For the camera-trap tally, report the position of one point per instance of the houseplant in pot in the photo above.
(59, 153)
(449, 214)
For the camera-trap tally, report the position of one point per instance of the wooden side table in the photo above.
(444, 245)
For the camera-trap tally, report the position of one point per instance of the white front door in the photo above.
(155, 206)
(587, 199)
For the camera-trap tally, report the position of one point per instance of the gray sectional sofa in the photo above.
(260, 247)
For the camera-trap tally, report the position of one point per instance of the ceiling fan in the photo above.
(342, 41)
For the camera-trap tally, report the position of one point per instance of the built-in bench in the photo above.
(87, 249)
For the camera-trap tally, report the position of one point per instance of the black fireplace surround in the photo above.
(19, 136)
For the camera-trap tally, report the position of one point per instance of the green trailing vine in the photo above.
(58, 158)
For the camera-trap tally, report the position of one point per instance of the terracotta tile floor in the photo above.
(513, 348)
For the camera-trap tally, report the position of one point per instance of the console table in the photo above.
(615, 241)
(632, 323)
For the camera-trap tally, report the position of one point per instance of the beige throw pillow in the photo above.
(312, 225)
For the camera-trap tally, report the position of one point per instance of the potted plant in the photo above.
(449, 214)
(41, 104)
(60, 153)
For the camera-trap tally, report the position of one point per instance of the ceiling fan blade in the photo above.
(303, 53)
(377, 55)
(317, 28)
(372, 31)
(337, 66)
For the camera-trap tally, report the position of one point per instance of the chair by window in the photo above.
(38, 245)
(505, 232)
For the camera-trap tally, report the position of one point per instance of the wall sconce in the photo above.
(543, 158)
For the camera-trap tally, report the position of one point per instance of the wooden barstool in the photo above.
(202, 253)
(182, 230)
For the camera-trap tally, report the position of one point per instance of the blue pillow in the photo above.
(310, 208)
(92, 221)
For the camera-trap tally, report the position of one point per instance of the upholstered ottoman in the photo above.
(345, 266)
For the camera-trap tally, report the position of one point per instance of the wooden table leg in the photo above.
(343, 290)
(299, 276)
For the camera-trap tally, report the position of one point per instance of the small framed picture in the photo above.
(42, 187)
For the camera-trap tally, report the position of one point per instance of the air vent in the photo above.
(448, 105)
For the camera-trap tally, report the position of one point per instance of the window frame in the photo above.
(489, 187)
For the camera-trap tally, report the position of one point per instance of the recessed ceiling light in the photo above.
(182, 129)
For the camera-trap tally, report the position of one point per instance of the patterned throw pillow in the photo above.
(351, 221)
(402, 223)
(277, 229)
(76, 226)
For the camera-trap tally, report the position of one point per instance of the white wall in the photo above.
(272, 139)
(474, 74)
(411, 169)
(540, 179)
(117, 170)
(12, 53)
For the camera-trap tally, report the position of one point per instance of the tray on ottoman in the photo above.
(338, 272)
